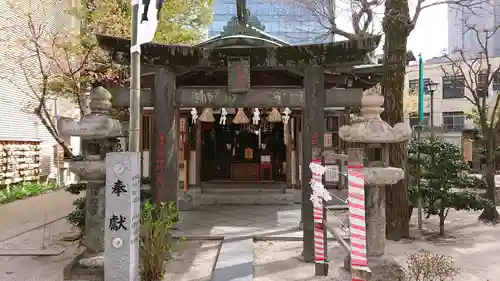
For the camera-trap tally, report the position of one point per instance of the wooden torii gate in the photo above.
(244, 68)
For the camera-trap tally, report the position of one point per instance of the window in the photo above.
(413, 84)
(331, 131)
(453, 121)
(496, 82)
(453, 87)
(414, 121)
(482, 85)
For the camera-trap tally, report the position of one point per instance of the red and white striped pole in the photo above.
(357, 219)
(318, 197)
(319, 239)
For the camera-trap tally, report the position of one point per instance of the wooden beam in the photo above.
(262, 97)
(257, 97)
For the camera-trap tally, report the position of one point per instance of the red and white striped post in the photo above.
(318, 197)
(357, 221)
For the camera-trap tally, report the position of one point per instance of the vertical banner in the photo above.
(357, 219)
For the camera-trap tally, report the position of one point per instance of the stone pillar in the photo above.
(375, 220)
(312, 136)
(165, 168)
(94, 216)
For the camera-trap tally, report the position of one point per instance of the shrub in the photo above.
(424, 266)
(77, 216)
(156, 239)
(445, 180)
(24, 190)
(427, 266)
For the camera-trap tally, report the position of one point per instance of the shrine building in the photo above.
(233, 116)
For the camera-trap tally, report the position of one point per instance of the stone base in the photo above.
(82, 268)
(188, 200)
(383, 268)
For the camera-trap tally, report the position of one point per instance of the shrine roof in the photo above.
(263, 56)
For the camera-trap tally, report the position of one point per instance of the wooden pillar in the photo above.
(297, 135)
(164, 152)
(288, 143)
(198, 153)
(312, 137)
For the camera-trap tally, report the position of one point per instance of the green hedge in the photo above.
(24, 190)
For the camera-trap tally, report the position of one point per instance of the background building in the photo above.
(17, 122)
(484, 17)
(289, 22)
(450, 104)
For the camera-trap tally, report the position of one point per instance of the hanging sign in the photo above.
(238, 74)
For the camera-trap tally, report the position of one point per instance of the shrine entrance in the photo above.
(241, 151)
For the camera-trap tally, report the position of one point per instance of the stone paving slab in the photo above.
(23, 215)
(263, 221)
(38, 268)
(235, 261)
(195, 262)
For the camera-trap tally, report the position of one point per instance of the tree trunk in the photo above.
(490, 213)
(396, 30)
(441, 220)
(53, 133)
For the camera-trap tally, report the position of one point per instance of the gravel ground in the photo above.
(474, 247)
(194, 262)
(279, 260)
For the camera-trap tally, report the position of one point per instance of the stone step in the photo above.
(243, 185)
(241, 190)
(248, 198)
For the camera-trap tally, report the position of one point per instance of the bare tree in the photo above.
(475, 74)
(50, 59)
(397, 24)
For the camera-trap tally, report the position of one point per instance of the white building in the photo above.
(16, 121)
(450, 103)
(484, 17)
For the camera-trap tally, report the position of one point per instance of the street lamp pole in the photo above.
(431, 87)
(432, 114)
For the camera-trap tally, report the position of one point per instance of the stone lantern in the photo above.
(98, 132)
(368, 139)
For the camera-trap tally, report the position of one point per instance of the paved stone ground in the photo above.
(264, 221)
(20, 216)
(473, 245)
(194, 262)
(31, 268)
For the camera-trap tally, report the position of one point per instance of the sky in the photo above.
(429, 38)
